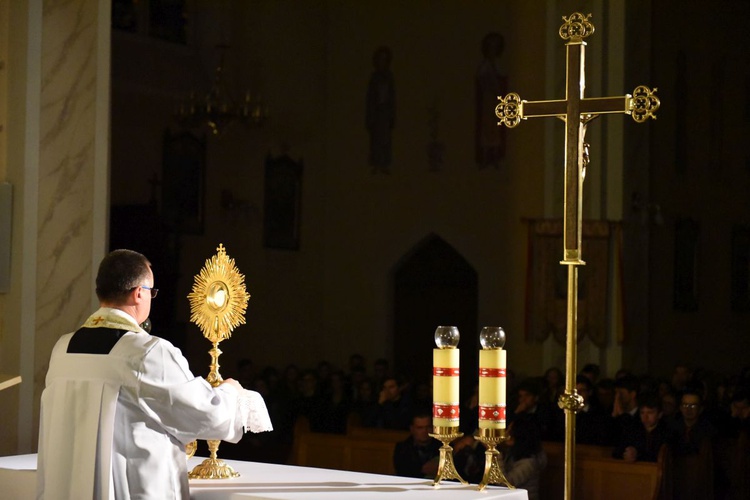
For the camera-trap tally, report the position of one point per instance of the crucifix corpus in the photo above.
(576, 111)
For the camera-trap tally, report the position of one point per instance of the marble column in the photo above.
(58, 163)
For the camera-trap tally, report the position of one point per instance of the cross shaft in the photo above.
(576, 111)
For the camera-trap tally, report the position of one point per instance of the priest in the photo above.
(120, 404)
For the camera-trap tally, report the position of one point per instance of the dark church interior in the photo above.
(348, 157)
(380, 248)
(358, 237)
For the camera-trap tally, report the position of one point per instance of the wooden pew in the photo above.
(597, 476)
(360, 450)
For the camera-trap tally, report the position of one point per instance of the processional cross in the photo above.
(576, 111)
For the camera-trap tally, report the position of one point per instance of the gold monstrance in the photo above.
(217, 305)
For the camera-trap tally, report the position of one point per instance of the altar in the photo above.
(260, 481)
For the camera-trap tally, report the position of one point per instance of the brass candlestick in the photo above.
(493, 469)
(446, 466)
(217, 304)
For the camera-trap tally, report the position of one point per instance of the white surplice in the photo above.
(116, 425)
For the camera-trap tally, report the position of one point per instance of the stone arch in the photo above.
(433, 284)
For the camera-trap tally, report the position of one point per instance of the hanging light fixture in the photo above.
(217, 110)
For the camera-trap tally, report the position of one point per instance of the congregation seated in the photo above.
(591, 419)
(691, 442)
(548, 418)
(395, 406)
(625, 418)
(418, 455)
(644, 441)
(553, 386)
(525, 458)
(725, 454)
(372, 450)
(365, 404)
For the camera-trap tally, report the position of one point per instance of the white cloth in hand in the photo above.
(254, 412)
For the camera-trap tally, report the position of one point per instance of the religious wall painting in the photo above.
(685, 281)
(681, 108)
(125, 15)
(435, 146)
(716, 134)
(167, 20)
(740, 268)
(282, 199)
(490, 83)
(183, 182)
(162, 19)
(380, 112)
(547, 281)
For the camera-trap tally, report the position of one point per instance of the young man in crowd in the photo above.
(418, 455)
(625, 410)
(643, 443)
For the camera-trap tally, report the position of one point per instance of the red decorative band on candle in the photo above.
(445, 411)
(491, 372)
(492, 413)
(445, 372)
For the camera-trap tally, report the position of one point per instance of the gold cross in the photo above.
(576, 111)
(97, 320)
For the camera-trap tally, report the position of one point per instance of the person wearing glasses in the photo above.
(692, 430)
(120, 405)
(692, 446)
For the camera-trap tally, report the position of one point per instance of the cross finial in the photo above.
(576, 27)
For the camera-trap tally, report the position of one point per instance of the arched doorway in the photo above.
(434, 285)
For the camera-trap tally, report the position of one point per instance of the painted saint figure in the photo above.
(490, 83)
(381, 110)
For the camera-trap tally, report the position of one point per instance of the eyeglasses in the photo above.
(154, 291)
(690, 406)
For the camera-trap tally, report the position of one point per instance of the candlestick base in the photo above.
(446, 466)
(493, 470)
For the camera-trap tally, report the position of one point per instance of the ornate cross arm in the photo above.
(641, 105)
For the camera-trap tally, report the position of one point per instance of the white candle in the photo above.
(445, 378)
(492, 387)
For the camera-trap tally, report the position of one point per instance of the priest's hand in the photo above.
(232, 382)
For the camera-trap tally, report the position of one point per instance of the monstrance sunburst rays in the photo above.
(217, 305)
(218, 301)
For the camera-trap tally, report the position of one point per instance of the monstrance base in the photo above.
(213, 468)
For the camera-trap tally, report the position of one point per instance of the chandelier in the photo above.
(217, 110)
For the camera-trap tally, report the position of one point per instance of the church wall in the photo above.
(478, 211)
(9, 339)
(637, 215)
(58, 125)
(700, 172)
(312, 62)
(331, 298)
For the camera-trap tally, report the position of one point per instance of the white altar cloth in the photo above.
(260, 481)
